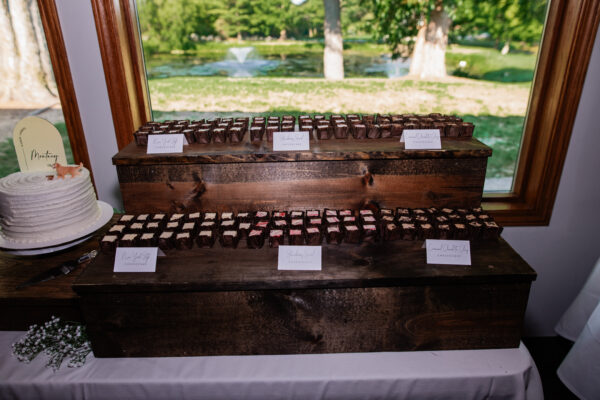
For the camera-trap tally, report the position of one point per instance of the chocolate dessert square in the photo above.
(332, 220)
(173, 225)
(491, 230)
(128, 240)
(315, 221)
(208, 225)
(203, 135)
(243, 229)
(244, 216)
(405, 219)
(330, 213)
(219, 135)
(108, 244)
(297, 222)
(270, 131)
(386, 211)
(260, 215)
(313, 213)
(444, 231)
(313, 236)
(484, 218)
(323, 132)
(442, 219)
(166, 240)
(386, 130)
(210, 216)
(141, 138)
(340, 131)
(452, 130)
(189, 135)
(280, 215)
(136, 227)
(142, 218)
(466, 129)
(256, 239)
(193, 217)
(349, 220)
(206, 238)
(359, 131)
(365, 211)
(374, 131)
(148, 239)
(352, 233)
(183, 240)
(160, 218)
(236, 134)
(425, 231)
(280, 224)
(287, 128)
(333, 234)
(397, 129)
(226, 215)
(422, 219)
(368, 219)
(262, 225)
(370, 233)
(460, 231)
(402, 211)
(408, 231)
(229, 239)
(276, 238)
(256, 133)
(176, 217)
(297, 214)
(345, 213)
(296, 237)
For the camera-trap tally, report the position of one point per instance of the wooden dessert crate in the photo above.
(372, 297)
(334, 173)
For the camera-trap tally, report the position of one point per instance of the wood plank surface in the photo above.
(35, 304)
(399, 263)
(439, 317)
(323, 150)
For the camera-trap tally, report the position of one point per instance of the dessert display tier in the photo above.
(332, 174)
(371, 297)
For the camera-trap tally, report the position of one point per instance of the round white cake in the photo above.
(34, 208)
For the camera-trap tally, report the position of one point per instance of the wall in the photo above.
(83, 52)
(562, 253)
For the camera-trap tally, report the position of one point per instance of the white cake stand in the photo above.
(52, 245)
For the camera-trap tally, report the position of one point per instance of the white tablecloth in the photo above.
(467, 374)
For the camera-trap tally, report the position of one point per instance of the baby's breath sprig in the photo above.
(59, 340)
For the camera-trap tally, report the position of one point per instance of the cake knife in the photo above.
(65, 268)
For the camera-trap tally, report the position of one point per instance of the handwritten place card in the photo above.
(453, 252)
(135, 259)
(290, 141)
(38, 145)
(299, 258)
(171, 143)
(421, 139)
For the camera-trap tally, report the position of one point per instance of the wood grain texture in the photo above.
(36, 304)
(564, 57)
(440, 317)
(64, 82)
(324, 150)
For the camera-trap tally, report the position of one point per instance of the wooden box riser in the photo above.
(429, 317)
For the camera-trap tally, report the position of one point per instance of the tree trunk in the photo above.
(25, 62)
(333, 58)
(429, 54)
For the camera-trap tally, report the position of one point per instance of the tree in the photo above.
(333, 58)
(24, 59)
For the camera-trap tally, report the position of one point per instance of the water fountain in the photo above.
(392, 68)
(239, 62)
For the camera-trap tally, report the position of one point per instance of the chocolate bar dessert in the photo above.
(276, 238)
(297, 222)
(243, 229)
(408, 231)
(219, 135)
(262, 225)
(352, 233)
(444, 231)
(425, 231)
(229, 239)
(460, 231)
(315, 222)
(189, 135)
(370, 233)
(126, 219)
(183, 240)
(313, 213)
(166, 240)
(206, 238)
(280, 215)
(193, 217)
(297, 214)
(108, 244)
(128, 240)
(256, 133)
(203, 136)
(236, 134)
(227, 225)
(349, 220)
(148, 239)
(374, 131)
(296, 237)
(142, 218)
(340, 131)
(491, 230)
(244, 216)
(323, 132)
(173, 225)
(332, 220)
(333, 234)
(359, 131)
(191, 227)
(161, 219)
(256, 239)
(260, 215)
(117, 229)
(313, 236)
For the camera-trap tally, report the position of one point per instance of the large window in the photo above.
(563, 58)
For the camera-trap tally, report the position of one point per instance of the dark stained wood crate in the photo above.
(373, 297)
(334, 173)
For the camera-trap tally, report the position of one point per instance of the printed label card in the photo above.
(452, 252)
(170, 143)
(135, 259)
(299, 258)
(291, 141)
(421, 139)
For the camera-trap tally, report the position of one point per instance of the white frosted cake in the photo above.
(36, 209)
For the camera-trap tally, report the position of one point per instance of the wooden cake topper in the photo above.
(63, 170)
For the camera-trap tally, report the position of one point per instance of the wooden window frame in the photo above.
(64, 81)
(565, 51)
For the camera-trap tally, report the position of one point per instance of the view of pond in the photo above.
(245, 61)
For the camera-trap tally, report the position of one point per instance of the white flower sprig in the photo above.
(59, 340)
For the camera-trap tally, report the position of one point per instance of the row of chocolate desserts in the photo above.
(181, 231)
(338, 126)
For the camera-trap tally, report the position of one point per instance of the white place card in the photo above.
(291, 141)
(171, 143)
(135, 259)
(299, 258)
(453, 252)
(421, 139)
